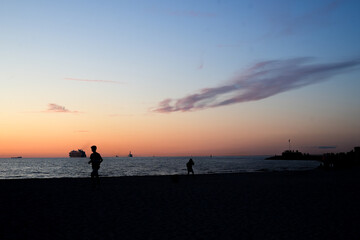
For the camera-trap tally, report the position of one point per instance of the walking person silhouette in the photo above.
(189, 166)
(95, 160)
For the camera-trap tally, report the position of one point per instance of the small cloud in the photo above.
(52, 107)
(89, 80)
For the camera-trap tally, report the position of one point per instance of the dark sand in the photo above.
(283, 205)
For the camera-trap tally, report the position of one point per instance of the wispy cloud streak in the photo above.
(89, 80)
(263, 80)
(52, 107)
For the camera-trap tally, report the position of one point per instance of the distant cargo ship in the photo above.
(77, 154)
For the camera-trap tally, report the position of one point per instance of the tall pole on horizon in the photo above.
(289, 145)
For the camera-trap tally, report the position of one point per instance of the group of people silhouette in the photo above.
(96, 160)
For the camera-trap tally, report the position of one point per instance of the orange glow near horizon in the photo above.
(195, 134)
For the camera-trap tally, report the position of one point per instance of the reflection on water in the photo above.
(141, 166)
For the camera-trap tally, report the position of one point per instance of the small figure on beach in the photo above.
(95, 160)
(189, 166)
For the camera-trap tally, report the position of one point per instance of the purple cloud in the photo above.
(263, 80)
(52, 107)
(89, 80)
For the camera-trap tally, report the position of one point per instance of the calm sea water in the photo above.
(142, 166)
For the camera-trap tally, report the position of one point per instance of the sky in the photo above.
(179, 78)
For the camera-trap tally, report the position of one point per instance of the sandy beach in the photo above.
(274, 205)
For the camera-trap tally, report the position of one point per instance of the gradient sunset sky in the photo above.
(182, 77)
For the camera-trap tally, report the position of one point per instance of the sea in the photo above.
(25, 168)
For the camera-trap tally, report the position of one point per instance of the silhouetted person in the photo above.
(95, 160)
(189, 166)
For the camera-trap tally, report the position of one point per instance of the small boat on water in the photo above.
(130, 154)
(16, 157)
(77, 154)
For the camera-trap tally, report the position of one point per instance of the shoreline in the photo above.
(157, 176)
(313, 204)
(80, 168)
(258, 172)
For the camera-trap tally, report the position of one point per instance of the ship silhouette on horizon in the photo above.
(77, 154)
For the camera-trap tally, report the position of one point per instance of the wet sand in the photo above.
(278, 205)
